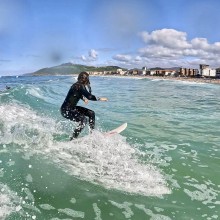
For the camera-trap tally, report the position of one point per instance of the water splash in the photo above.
(9, 202)
(107, 161)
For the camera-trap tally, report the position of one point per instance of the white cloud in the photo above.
(138, 59)
(200, 43)
(171, 47)
(165, 48)
(83, 58)
(92, 56)
(169, 38)
(122, 58)
(128, 60)
(156, 51)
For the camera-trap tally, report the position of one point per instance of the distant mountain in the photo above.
(170, 68)
(70, 68)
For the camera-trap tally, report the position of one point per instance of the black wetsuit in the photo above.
(70, 111)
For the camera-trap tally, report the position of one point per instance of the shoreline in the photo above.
(186, 79)
(183, 79)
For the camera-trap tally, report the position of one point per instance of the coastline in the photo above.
(184, 79)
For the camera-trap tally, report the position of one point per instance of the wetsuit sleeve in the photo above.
(88, 95)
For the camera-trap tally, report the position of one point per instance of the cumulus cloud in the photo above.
(92, 56)
(200, 43)
(171, 47)
(122, 58)
(129, 60)
(138, 59)
(169, 38)
(164, 48)
(83, 58)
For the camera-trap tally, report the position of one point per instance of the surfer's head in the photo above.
(83, 78)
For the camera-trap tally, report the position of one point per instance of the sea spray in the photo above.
(108, 161)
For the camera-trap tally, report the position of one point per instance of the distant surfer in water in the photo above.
(69, 109)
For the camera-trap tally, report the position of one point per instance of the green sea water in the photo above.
(164, 166)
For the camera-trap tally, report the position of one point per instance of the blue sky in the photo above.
(129, 33)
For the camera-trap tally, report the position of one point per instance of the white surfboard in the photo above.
(110, 133)
(117, 130)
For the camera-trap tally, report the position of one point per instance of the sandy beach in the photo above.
(187, 79)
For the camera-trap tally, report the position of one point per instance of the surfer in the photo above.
(69, 109)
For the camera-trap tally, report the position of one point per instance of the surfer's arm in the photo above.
(85, 100)
(87, 95)
(102, 99)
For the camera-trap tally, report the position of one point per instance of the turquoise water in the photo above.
(165, 165)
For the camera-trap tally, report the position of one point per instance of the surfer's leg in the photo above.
(91, 115)
(81, 124)
(88, 113)
(78, 129)
(65, 113)
(77, 115)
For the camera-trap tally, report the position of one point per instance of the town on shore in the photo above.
(203, 74)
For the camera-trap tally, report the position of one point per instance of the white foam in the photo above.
(72, 213)
(128, 213)
(29, 178)
(9, 202)
(150, 213)
(121, 77)
(108, 161)
(1, 172)
(29, 195)
(203, 193)
(73, 200)
(21, 125)
(97, 211)
(36, 92)
(46, 207)
(61, 219)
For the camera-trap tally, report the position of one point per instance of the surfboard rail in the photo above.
(117, 130)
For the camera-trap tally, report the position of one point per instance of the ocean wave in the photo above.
(110, 162)
(9, 202)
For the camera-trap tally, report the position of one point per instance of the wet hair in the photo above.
(83, 78)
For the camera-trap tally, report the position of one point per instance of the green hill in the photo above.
(69, 68)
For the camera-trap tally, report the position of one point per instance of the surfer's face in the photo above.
(83, 78)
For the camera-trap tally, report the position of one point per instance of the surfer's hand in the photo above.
(103, 99)
(86, 101)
